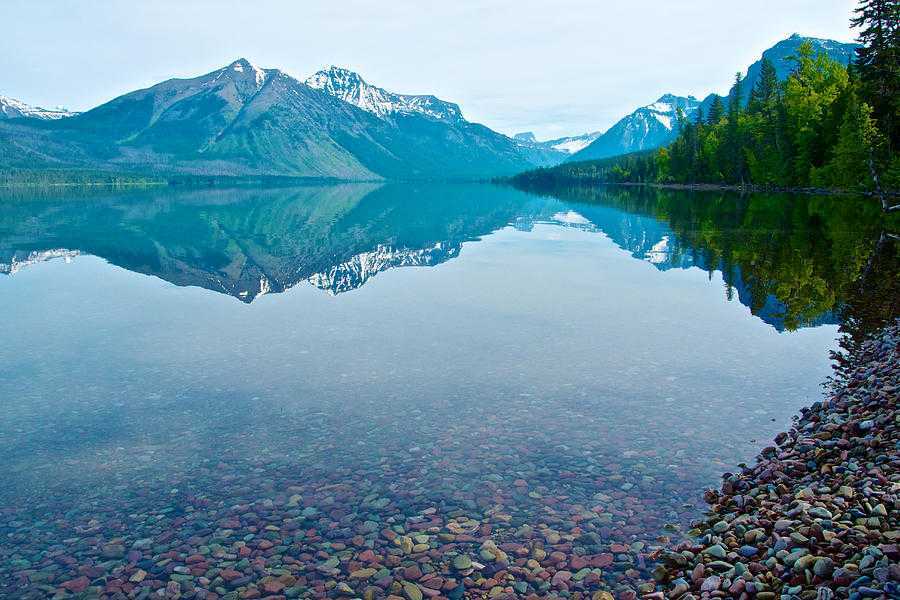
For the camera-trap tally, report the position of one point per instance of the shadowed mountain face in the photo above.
(791, 260)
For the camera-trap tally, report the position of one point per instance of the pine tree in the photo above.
(809, 96)
(734, 98)
(716, 110)
(766, 87)
(856, 138)
(878, 61)
(734, 151)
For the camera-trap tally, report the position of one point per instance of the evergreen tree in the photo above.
(716, 111)
(809, 94)
(878, 61)
(733, 150)
(765, 89)
(857, 137)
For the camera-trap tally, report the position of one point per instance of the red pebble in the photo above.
(367, 556)
(578, 563)
(77, 585)
(272, 586)
(602, 560)
(412, 572)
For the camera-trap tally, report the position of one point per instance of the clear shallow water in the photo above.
(567, 371)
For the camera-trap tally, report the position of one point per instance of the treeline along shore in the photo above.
(828, 126)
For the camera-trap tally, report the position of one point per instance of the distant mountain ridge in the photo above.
(780, 55)
(647, 127)
(246, 121)
(638, 131)
(10, 108)
(350, 87)
(569, 144)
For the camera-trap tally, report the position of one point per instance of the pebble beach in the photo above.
(817, 515)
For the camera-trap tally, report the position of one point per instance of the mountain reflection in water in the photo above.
(791, 259)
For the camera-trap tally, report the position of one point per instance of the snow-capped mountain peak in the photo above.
(10, 108)
(567, 145)
(665, 109)
(350, 87)
(335, 78)
(650, 126)
(245, 72)
(574, 143)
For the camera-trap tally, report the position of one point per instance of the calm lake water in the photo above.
(270, 389)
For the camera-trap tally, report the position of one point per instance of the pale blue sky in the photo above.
(554, 67)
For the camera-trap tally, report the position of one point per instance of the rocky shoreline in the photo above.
(817, 516)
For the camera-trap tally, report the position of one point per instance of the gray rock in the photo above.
(823, 567)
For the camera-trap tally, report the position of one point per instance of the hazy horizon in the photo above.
(509, 65)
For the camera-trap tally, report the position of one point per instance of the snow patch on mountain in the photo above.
(567, 145)
(649, 126)
(666, 120)
(10, 108)
(247, 77)
(572, 145)
(350, 87)
(665, 110)
(641, 129)
(243, 65)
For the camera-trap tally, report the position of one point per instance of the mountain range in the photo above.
(647, 127)
(569, 144)
(655, 125)
(350, 87)
(247, 121)
(10, 108)
(242, 120)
